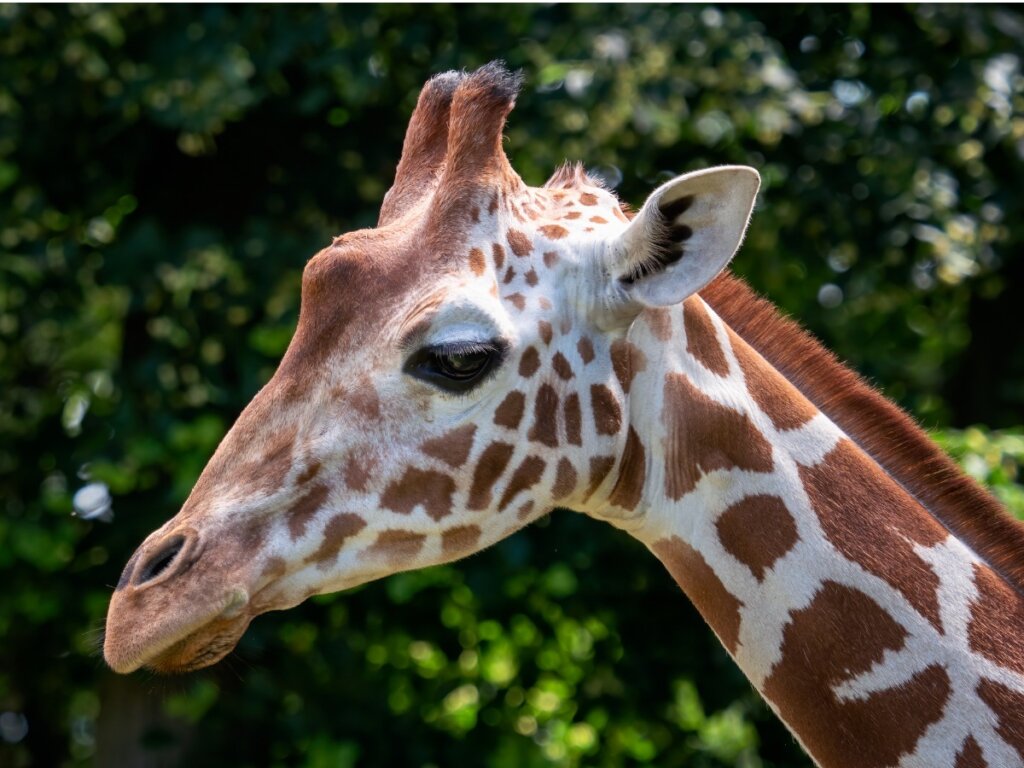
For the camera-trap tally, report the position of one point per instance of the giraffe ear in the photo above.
(685, 234)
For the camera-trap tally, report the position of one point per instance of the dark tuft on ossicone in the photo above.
(496, 78)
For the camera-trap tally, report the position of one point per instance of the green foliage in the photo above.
(166, 171)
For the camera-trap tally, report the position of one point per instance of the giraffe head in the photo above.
(456, 372)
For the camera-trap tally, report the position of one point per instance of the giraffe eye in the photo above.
(456, 367)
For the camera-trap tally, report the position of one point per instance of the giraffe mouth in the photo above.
(200, 649)
(169, 644)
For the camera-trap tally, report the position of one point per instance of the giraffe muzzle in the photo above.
(182, 603)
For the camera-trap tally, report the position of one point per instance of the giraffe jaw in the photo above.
(165, 648)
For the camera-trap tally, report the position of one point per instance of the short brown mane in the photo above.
(889, 436)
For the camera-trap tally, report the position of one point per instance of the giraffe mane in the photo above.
(891, 437)
(570, 175)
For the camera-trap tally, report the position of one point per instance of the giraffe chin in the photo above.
(174, 642)
(202, 648)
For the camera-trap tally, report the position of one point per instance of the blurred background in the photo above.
(165, 172)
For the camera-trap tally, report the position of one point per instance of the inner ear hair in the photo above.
(666, 238)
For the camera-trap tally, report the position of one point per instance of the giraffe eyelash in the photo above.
(456, 367)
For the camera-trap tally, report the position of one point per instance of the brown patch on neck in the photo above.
(600, 466)
(489, 468)
(477, 262)
(783, 403)
(398, 544)
(701, 339)
(561, 366)
(268, 472)
(357, 471)
(510, 412)
(304, 509)
(606, 408)
(704, 436)
(757, 531)
(498, 252)
(873, 522)
(573, 419)
(996, 620)
(418, 486)
(554, 231)
(519, 243)
(627, 362)
(1007, 705)
(840, 635)
(702, 585)
(453, 447)
(545, 417)
(565, 479)
(460, 540)
(526, 476)
(884, 431)
(629, 485)
(586, 349)
(308, 473)
(529, 362)
(660, 323)
(544, 328)
(970, 755)
(338, 528)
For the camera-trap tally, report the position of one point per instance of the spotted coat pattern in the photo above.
(876, 635)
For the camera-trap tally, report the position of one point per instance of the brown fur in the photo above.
(543, 326)
(1007, 706)
(600, 466)
(545, 417)
(453, 447)
(338, 528)
(704, 436)
(460, 539)
(526, 475)
(607, 412)
(561, 366)
(304, 509)
(627, 362)
(529, 362)
(702, 585)
(477, 262)
(775, 532)
(701, 339)
(554, 231)
(629, 485)
(970, 755)
(586, 349)
(498, 252)
(565, 479)
(519, 243)
(878, 426)
(418, 486)
(489, 468)
(873, 522)
(573, 419)
(998, 614)
(510, 412)
(426, 143)
(841, 634)
(660, 323)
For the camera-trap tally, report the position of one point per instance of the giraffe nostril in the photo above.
(160, 560)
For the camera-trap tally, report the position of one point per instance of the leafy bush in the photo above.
(166, 171)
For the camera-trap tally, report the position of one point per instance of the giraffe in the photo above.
(492, 351)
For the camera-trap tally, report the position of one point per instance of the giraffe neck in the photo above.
(878, 636)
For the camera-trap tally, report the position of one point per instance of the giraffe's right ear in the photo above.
(684, 235)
